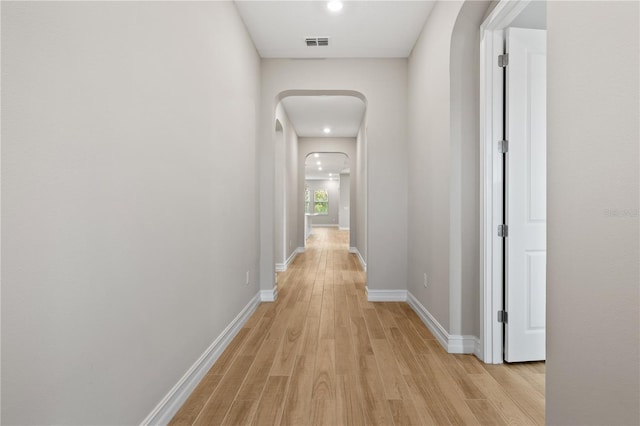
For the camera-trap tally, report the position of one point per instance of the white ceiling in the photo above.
(362, 29)
(310, 114)
(333, 163)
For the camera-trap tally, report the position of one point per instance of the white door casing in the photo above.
(525, 272)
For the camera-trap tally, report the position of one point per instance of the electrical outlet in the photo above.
(425, 280)
(246, 281)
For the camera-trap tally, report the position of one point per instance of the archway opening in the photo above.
(325, 123)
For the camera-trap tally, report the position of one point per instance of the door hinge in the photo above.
(503, 60)
(503, 231)
(502, 317)
(503, 147)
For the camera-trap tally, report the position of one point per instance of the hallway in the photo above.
(322, 354)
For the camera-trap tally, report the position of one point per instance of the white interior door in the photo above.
(526, 195)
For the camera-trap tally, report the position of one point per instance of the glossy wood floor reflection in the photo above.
(323, 355)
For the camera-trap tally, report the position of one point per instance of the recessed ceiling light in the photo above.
(334, 6)
(316, 155)
(318, 163)
(326, 130)
(320, 168)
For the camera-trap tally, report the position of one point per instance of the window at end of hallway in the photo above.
(321, 201)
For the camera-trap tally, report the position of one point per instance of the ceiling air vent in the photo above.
(316, 41)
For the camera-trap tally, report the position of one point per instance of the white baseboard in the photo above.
(463, 344)
(453, 344)
(171, 403)
(386, 295)
(342, 228)
(325, 225)
(477, 351)
(269, 295)
(355, 250)
(282, 267)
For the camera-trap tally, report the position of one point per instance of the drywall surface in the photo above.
(383, 82)
(307, 146)
(125, 245)
(345, 202)
(286, 188)
(358, 232)
(430, 162)
(280, 211)
(593, 335)
(443, 165)
(293, 202)
(465, 169)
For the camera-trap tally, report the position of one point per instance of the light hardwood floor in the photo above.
(322, 354)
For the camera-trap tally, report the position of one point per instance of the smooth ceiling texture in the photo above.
(332, 165)
(311, 114)
(362, 29)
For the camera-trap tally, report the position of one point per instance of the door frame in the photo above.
(491, 177)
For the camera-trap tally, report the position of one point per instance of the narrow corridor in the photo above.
(322, 354)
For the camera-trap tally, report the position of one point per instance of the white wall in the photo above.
(593, 359)
(346, 146)
(123, 125)
(333, 190)
(384, 84)
(345, 202)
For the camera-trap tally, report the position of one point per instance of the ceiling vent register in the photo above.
(316, 41)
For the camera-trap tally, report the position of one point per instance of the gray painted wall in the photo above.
(359, 226)
(465, 168)
(111, 202)
(443, 166)
(124, 245)
(345, 201)
(384, 84)
(593, 333)
(286, 194)
(430, 162)
(294, 220)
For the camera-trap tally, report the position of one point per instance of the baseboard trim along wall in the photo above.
(342, 228)
(282, 267)
(386, 295)
(355, 250)
(453, 344)
(269, 295)
(171, 403)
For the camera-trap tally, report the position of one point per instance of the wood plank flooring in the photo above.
(322, 355)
